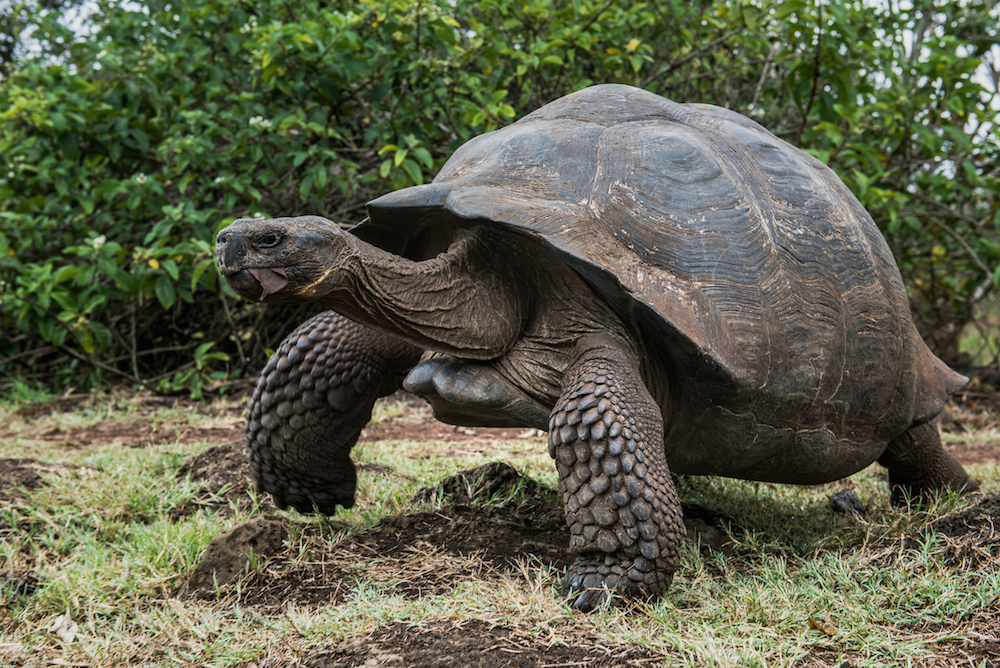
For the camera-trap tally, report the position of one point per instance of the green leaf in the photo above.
(200, 351)
(65, 273)
(140, 139)
(70, 144)
(198, 271)
(306, 186)
(319, 179)
(788, 7)
(424, 156)
(101, 335)
(412, 170)
(184, 182)
(171, 268)
(85, 275)
(92, 303)
(165, 291)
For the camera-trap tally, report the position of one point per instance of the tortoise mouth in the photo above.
(259, 282)
(271, 279)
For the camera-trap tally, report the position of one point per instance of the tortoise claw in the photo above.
(592, 583)
(590, 600)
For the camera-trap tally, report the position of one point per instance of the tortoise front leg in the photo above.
(606, 435)
(311, 402)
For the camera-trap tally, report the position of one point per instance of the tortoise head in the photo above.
(282, 259)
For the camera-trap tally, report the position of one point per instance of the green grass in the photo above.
(109, 544)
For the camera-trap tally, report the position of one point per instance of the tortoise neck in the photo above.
(461, 302)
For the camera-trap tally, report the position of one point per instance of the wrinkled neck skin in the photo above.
(463, 302)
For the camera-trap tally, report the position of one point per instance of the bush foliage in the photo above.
(128, 141)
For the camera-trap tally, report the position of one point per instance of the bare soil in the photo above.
(463, 532)
(472, 644)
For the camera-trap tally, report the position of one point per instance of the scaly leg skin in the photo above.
(606, 435)
(919, 465)
(311, 402)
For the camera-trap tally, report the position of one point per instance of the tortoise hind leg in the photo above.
(311, 402)
(606, 435)
(919, 465)
(474, 395)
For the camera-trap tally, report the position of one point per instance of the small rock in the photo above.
(847, 503)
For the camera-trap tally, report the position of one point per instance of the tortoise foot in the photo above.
(309, 496)
(312, 400)
(906, 494)
(594, 581)
(919, 467)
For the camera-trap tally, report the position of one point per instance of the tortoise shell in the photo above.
(744, 259)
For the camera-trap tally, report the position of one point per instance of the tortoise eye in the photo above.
(269, 240)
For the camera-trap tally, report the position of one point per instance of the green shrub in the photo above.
(124, 148)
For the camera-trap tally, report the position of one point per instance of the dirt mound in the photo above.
(225, 472)
(17, 475)
(499, 535)
(971, 537)
(968, 540)
(416, 555)
(493, 519)
(219, 467)
(472, 644)
(231, 552)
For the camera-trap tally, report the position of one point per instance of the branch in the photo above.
(83, 356)
(958, 237)
(959, 215)
(597, 15)
(90, 360)
(694, 54)
(25, 353)
(168, 374)
(763, 74)
(816, 63)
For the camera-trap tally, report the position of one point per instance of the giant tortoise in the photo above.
(661, 286)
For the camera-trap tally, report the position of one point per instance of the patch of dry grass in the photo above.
(799, 585)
